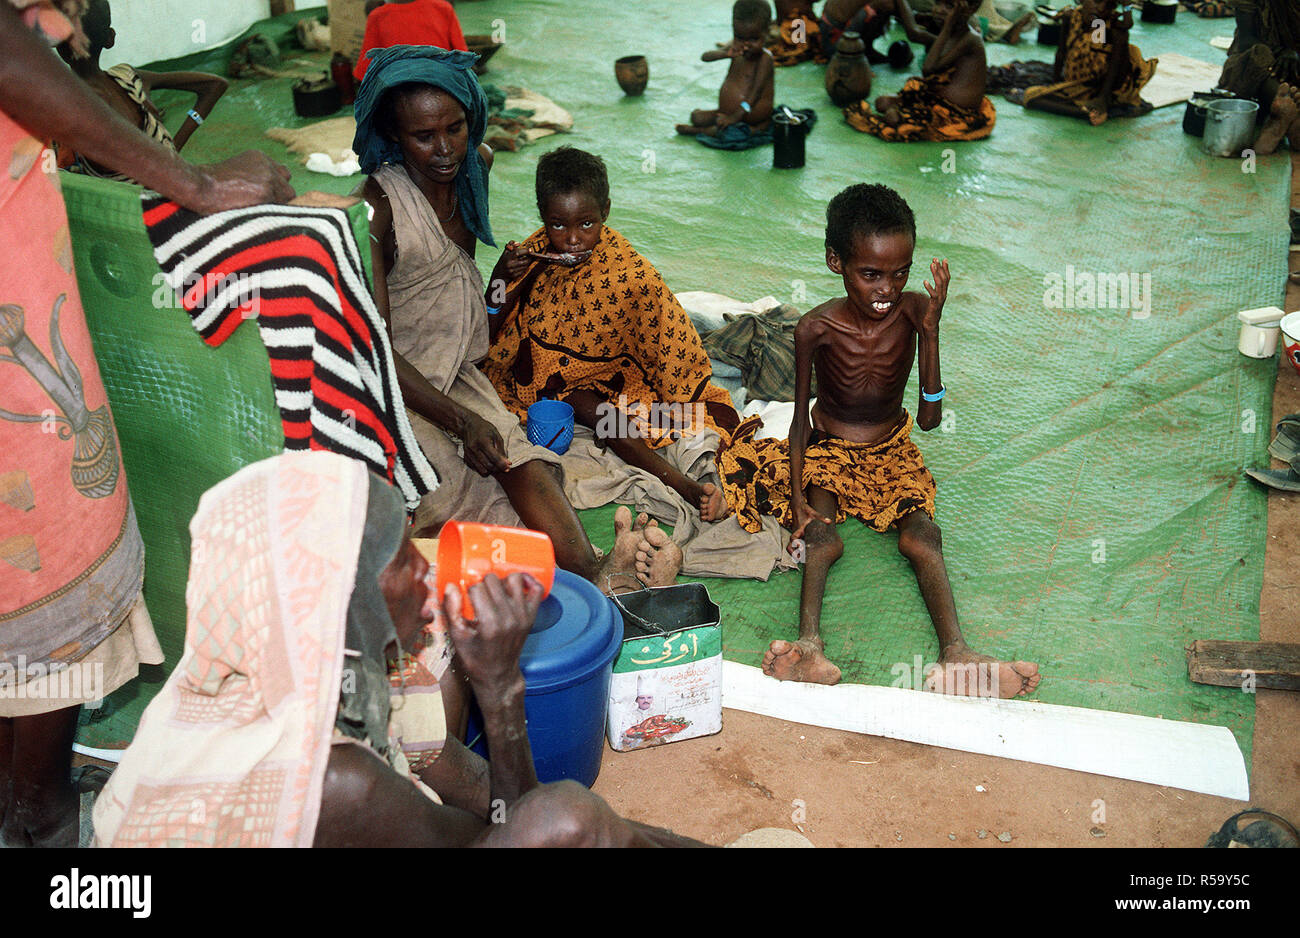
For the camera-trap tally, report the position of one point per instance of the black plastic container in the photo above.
(788, 136)
(1194, 115)
(316, 97)
(1153, 12)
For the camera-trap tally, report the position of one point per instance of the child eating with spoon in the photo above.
(579, 316)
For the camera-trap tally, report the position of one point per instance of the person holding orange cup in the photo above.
(469, 552)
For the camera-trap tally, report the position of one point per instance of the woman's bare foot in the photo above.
(967, 673)
(626, 536)
(618, 572)
(1097, 112)
(713, 503)
(657, 558)
(799, 661)
(1281, 115)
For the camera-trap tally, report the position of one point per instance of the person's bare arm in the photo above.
(958, 48)
(47, 99)
(930, 413)
(1058, 62)
(513, 267)
(953, 42)
(364, 803)
(484, 450)
(208, 89)
(806, 336)
(908, 21)
(488, 648)
(724, 52)
(1118, 63)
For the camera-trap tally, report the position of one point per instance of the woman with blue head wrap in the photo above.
(421, 116)
(398, 73)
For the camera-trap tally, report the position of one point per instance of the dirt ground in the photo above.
(851, 790)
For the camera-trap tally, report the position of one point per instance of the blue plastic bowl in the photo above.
(550, 424)
(568, 660)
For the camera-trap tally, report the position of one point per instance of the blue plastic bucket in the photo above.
(567, 661)
(550, 424)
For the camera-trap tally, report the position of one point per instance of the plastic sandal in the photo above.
(1285, 445)
(1284, 480)
(1265, 830)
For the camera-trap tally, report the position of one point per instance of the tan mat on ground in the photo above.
(1178, 77)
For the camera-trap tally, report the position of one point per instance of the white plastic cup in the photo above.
(1258, 341)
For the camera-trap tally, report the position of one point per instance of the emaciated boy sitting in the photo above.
(856, 459)
(747, 94)
(600, 329)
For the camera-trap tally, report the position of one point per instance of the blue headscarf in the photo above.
(453, 73)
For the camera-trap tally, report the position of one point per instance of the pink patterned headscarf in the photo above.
(232, 751)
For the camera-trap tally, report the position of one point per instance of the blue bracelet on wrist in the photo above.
(932, 398)
(194, 116)
(744, 106)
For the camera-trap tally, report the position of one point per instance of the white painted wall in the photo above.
(148, 30)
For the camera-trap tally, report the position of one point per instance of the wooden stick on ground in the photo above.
(1275, 665)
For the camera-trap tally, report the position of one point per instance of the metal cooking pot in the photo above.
(1229, 126)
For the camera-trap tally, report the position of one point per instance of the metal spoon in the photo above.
(564, 260)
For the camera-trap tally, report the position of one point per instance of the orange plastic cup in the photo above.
(469, 552)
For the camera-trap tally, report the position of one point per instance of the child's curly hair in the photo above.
(864, 210)
(566, 170)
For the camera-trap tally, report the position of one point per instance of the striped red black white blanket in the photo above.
(298, 271)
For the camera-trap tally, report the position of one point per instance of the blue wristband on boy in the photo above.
(932, 398)
(744, 106)
(194, 116)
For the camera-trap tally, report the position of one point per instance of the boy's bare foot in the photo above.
(799, 661)
(713, 503)
(689, 130)
(1281, 115)
(967, 673)
(1097, 112)
(657, 558)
